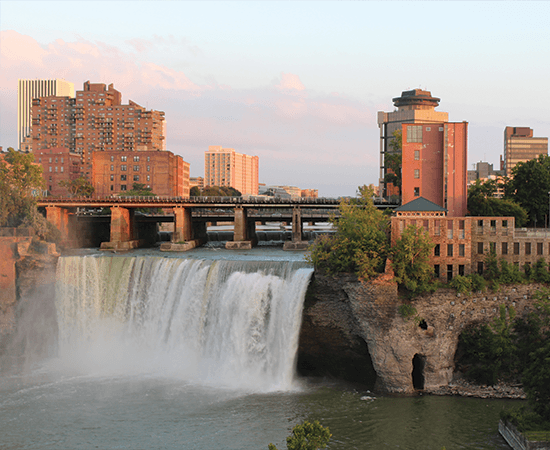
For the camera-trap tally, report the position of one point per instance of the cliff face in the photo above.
(405, 354)
(29, 310)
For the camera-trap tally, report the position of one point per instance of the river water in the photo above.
(198, 353)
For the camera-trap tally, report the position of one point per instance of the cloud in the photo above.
(316, 140)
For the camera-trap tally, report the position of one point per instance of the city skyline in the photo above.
(304, 95)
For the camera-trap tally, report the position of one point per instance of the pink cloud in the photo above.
(290, 82)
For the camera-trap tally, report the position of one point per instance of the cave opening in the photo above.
(419, 363)
(423, 324)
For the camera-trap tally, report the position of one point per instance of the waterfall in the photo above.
(222, 323)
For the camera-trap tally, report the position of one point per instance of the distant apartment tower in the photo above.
(226, 167)
(416, 106)
(434, 165)
(521, 146)
(115, 172)
(27, 90)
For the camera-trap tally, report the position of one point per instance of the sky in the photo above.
(298, 84)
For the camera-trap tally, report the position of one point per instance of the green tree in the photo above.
(359, 244)
(394, 161)
(139, 190)
(481, 202)
(79, 187)
(530, 186)
(411, 260)
(307, 436)
(536, 381)
(220, 191)
(20, 178)
(194, 191)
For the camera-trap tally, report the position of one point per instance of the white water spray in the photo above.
(222, 323)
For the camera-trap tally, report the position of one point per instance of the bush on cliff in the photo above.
(307, 436)
(359, 244)
(410, 258)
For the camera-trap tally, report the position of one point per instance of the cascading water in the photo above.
(222, 323)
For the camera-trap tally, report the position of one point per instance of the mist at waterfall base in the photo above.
(170, 353)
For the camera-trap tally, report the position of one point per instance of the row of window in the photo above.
(124, 167)
(437, 225)
(450, 250)
(125, 158)
(125, 178)
(437, 271)
(527, 247)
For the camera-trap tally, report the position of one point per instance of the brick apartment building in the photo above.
(115, 172)
(58, 164)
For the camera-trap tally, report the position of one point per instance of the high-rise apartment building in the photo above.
(27, 90)
(95, 120)
(416, 106)
(434, 165)
(521, 146)
(226, 167)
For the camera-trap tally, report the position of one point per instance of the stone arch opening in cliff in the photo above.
(419, 363)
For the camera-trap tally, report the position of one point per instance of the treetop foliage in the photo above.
(220, 191)
(79, 187)
(307, 436)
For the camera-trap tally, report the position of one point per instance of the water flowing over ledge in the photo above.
(223, 323)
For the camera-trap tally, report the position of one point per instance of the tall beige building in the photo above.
(415, 106)
(27, 90)
(226, 167)
(521, 146)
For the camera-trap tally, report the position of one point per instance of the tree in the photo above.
(220, 191)
(481, 202)
(530, 187)
(393, 160)
(411, 260)
(79, 187)
(195, 192)
(307, 436)
(359, 244)
(139, 190)
(20, 179)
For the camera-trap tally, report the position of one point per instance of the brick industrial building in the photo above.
(521, 146)
(226, 167)
(58, 164)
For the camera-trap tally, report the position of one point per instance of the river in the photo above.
(156, 352)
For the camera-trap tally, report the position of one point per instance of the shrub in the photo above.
(462, 284)
(406, 310)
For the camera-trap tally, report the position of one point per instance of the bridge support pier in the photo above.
(122, 230)
(65, 223)
(244, 236)
(297, 242)
(187, 235)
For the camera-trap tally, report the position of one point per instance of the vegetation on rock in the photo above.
(360, 242)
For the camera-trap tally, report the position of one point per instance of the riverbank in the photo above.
(464, 388)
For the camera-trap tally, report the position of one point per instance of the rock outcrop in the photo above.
(407, 354)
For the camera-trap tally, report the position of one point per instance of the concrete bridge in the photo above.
(189, 215)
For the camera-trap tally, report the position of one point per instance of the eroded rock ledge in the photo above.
(353, 330)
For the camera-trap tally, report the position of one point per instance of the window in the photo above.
(527, 248)
(136, 168)
(461, 249)
(50, 168)
(461, 270)
(123, 167)
(123, 158)
(516, 248)
(148, 177)
(417, 155)
(136, 177)
(436, 270)
(56, 168)
(461, 229)
(449, 272)
(480, 267)
(416, 173)
(148, 158)
(437, 250)
(123, 178)
(63, 168)
(112, 158)
(505, 248)
(480, 223)
(493, 247)
(122, 187)
(136, 158)
(112, 177)
(417, 192)
(112, 167)
(539, 248)
(450, 229)
(112, 188)
(414, 133)
(148, 168)
(480, 248)
(437, 227)
(449, 249)
(504, 224)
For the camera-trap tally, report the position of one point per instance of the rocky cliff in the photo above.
(352, 329)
